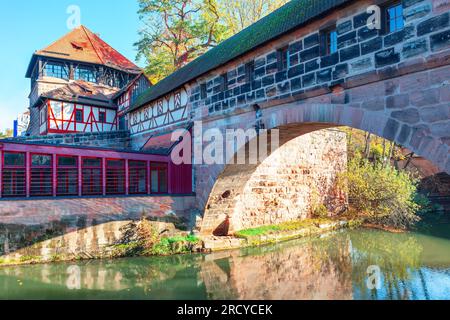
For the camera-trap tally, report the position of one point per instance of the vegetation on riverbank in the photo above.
(378, 190)
(143, 239)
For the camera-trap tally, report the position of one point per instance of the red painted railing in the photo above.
(30, 170)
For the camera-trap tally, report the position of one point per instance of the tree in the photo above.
(239, 14)
(176, 32)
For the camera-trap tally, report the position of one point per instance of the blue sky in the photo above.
(29, 25)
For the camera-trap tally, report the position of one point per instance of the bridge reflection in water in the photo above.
(413, 266)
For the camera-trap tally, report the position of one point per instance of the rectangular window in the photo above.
(86, 74)
(203, 92)
(282, 58)
(115, 177)
(159, 178)
(102, 117)
(41, 180)
(13, 175)
(393, 18)
(56, 70)
(137, 171)
(329, 43)
(67, 176)
(249, 71)
(79, 116)
(92, 177)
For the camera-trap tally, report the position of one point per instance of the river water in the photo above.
(357, 264)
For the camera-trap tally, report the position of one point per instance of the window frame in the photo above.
(91, 168)
(78, 109)
(132, 170)
(41, 168)
(66, 167)
(102, 113)
(326, 41)
(283, 59)
(203, 90)
(108, 177)
(250, 71)
(385, 20)
(6, 167)
(159, 166)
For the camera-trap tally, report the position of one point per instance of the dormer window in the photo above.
(393, 17)
(329, 41)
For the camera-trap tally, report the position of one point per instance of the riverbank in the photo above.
(148, 238)
(278, 233)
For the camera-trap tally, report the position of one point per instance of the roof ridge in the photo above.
(92, 44)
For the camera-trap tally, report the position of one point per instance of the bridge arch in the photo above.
(230, 204)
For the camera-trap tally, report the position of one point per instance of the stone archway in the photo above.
(233, 201)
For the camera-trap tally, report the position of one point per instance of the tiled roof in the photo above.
(294, 14)
(83, 45)
(83, 92)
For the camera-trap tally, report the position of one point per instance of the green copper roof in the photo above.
(287, 18)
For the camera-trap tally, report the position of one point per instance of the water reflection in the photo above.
(413, 266)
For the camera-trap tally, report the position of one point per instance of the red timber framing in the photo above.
(77, 118)
(35, 170)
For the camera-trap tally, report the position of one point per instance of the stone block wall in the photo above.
(361, 52)
(24, 222)
(298, 177)
(114, 139)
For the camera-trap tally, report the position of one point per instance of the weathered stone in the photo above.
(361, 20)
(296, 84)
(296, 71)
(391, 129)
(440, 129)
(371, 46)
(344, 27)
(309, 79)
(309, 54)
(340, 71)
(435, 113)
(404, 134)
(312, 65)
(295, 47)
(324, 75)
(433, 24)
(347, 40)
(398, 101)
(366, 33)
(410, 115)
(386, 57)
(399, 36)
(425, 97)
(362, 64)
(294, 59)
(414, 48)
(329, 60)
(440, 41)
(376, 104)
(417, 12)
(268, 80)
(311, 41)
(349, 53)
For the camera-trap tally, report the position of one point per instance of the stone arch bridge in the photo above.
(282, 73)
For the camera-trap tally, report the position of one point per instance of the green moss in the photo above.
(27, 258)
(280, 228)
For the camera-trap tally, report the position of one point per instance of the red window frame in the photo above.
(41, 177)
(136, 171)
(115, 177)
(66, 175)
(92, 177)
(82, 114)
(162, 170)
(14, 177)
(100, 113)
